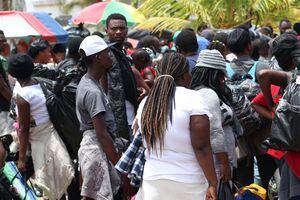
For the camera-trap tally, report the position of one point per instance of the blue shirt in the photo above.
(202, 42)
(192, 61)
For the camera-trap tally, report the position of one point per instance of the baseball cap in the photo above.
(93, 44)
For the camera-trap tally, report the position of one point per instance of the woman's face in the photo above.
(222, 80)
(46, 55)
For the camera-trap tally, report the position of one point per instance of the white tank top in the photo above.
(34, 95)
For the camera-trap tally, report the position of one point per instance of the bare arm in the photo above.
(268, 77)
(149, 75)
(2, 155)
(139, 80)
(104, 138)
(200, 139)
(225, 166)
(24, 126)
(263, 111)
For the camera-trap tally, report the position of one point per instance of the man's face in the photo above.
(284, 26)
(104, 58)
(117, 31)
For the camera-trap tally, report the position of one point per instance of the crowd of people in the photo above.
(168, 119)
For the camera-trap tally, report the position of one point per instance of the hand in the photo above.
(143, 93)
(22, 166)
(272, 106)
(211, 193)
(225, 173)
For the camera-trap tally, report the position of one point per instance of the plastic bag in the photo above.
(62, 112)
(285, 130)
(224, 191)
(44, 72)
(18, 182)
(251, 192)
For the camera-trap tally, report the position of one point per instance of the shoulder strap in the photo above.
(230, 71)
(44, 88)
(252, 71)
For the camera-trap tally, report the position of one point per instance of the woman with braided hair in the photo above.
(174, 123)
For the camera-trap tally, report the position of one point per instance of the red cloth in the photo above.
(293, 161)
(276, 153)
(149, 68)
(260, 98)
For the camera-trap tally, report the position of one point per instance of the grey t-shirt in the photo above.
(243, 64)
(90, 101)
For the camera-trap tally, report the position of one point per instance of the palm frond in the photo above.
(163, 23)
(216, 13)
(264, 7)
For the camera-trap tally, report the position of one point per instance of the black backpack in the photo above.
(246, 115)
(62, 112)
(247, 82)
(244, 89)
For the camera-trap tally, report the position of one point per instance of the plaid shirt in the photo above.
(133, 160)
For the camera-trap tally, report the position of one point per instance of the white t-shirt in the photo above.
(129, 112)
(177, 161)
(34, 95)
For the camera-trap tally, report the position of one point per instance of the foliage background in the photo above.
(176, 14)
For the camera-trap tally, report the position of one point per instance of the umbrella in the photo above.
(16, 24)
(99, 12)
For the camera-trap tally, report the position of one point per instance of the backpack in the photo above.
(244, 89)
(62, 113)
(285, 129)
(247, 82)
(246, 115)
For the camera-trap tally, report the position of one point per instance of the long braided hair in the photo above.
(202, 76)
(158, 107)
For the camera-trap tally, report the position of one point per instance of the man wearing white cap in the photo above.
(97, 152)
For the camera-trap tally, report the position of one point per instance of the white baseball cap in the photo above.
(93, 44)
